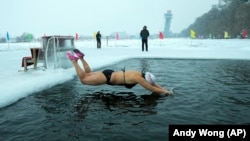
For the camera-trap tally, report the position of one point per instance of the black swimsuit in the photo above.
(108, 72)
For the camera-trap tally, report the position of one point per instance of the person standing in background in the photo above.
(98, 39)
(144, 37)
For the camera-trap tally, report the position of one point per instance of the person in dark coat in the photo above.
(144, 37)
(98, 39)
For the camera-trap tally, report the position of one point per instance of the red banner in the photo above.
(244, 33)
(77, 36)
(117, 36)
(161, 35)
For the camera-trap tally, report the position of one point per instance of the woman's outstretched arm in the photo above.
(153, 88)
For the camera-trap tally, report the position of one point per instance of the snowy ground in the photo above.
(15, 85)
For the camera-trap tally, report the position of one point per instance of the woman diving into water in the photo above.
(128, 78)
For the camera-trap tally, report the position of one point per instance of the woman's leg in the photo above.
(80, 73)
(85, 65)
(80, 55)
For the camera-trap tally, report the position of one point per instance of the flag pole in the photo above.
(94, 38)
(116, 38)
(161, 36)
(8, 39)
(192, 35)
(160, 41)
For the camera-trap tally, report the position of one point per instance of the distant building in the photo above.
(168, 18)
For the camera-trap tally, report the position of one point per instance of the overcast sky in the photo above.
(67, 17)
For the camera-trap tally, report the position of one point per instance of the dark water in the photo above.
(206, 92)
